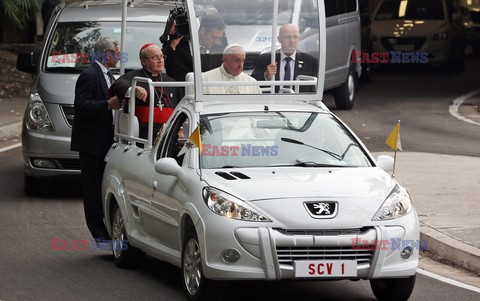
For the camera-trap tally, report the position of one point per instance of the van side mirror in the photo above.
(27, 62)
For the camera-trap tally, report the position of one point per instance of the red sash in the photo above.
(158, 116)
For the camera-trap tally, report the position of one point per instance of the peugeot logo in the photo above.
(327, 209)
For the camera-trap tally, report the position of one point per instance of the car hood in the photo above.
(58, 88)
(392, 28)
(251, 184)
(281, 194)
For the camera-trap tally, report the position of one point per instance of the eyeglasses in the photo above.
(157, 58)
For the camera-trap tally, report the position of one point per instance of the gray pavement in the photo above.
(444, 188)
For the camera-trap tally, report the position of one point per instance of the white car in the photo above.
(280, 191)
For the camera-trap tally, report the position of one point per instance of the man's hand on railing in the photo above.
(141, 93)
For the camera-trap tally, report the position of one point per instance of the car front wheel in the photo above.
(394, 289)
(195, 285)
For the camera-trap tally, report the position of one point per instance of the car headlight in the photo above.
(37, 115)
(229, 206)
(440, 36)
(396, 205)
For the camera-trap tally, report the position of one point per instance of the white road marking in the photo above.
(448, 280)
(7, 148)
(453, 109)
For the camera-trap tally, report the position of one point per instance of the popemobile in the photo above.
(268, 185)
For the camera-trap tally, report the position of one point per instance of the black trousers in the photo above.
(92, 172)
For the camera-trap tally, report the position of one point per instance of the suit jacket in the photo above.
(92, 131)
(305, 64)
(121, 85)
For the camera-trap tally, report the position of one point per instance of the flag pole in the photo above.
(200, 152)
(396, 148)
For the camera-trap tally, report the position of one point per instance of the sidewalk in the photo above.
(444, 189)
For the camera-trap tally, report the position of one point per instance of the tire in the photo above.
(345, 94)
(195, 285)
(394, 289)
(130, 257)
(456, 60)
(33, 186)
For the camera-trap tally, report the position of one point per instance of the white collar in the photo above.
(104, 69)
(283, 56)
(225, 73)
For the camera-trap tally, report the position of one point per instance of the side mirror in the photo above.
(169, 167)
(27, 62)
(385, 162)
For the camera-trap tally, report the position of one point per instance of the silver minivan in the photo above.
(68, 50)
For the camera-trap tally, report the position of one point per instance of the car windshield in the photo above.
(266, 139)
(71, 47)
(411, 10)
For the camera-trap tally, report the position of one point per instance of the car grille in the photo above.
(68, 163)
(320, 244)
(390, 43)
(68, 113)
(287, 255)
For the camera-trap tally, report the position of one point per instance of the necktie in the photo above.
(287, 75)
(112, 79)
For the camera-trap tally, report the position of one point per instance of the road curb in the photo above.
(451, 249)
(10, 130)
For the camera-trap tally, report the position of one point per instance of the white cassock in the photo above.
(219, 74)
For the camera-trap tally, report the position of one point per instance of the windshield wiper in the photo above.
(332, 154)
(314, 164)
(229, 166)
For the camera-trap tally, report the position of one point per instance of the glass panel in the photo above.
(249, 24)
(72, 46)
(279, 138)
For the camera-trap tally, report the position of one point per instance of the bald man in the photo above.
(153, 65)
(231, 70)
(289, 62)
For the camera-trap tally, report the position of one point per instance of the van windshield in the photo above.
(411, 10)
(71, 47)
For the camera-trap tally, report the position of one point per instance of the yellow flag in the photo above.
(194, 141)
(394, 139)
(196, 138)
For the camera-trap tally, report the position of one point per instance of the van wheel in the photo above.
(456, 60)
(124, 255)
(394, 289)
(345, 94)
(194, 283)
(33, 186)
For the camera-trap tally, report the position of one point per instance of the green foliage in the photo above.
(19, 12)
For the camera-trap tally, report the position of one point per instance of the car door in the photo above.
(163, 219)
(336, 33)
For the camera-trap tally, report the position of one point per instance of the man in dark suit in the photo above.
(92, 132)
(153, 64)
(288, 60)
(211, 35)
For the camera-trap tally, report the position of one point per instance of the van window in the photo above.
(71, 47)
(350, 5)
(331, 8)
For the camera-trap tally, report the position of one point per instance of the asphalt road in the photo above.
(31, 270)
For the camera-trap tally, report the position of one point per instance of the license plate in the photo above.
(403, 47)
(326, 268)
